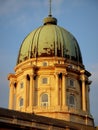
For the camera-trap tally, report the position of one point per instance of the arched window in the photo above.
(21, 102)
(72, 100)
(44, 100)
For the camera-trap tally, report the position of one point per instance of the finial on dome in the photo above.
(50, 19)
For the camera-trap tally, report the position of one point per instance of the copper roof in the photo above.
(49, 40)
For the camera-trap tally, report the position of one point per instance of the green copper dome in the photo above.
(50, 40)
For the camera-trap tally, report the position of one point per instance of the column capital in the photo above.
(82, 77)
(25, 76)
(12, 83)
(64, 73)
(56, 74)
(82, 71)
(31, 74)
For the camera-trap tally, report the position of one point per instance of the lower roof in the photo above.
(15, 119)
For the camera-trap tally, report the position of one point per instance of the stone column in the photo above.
(31, 91)
(56, 88)
(64, 90)
(11, 96)
(83, 92)
(60, 91)
(25, 92)
(83, 96)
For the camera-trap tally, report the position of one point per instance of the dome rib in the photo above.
(32, 43)
(55, 42)
(60, 42)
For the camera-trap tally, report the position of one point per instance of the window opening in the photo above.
(44, 80)
(45, 63)
(21, 102)
(72, 100)
(71, 82)
(21, 85)
(44, 100)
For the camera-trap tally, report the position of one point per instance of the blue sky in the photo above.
(20, 17)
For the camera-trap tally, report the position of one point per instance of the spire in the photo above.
(50, 14)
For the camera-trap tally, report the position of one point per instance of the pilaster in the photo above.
(64, 89)
(56, 88)
(11, 96)
(25, 92)
(31, 91)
